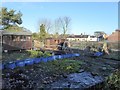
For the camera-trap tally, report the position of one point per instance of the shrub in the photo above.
(67, 66)
(34, 53)
(38, 54)
(113, 81)
(47, 54)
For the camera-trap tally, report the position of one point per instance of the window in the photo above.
(8, 37)
(28, 38)
(22, 38)
(13, 37)
(55, 41)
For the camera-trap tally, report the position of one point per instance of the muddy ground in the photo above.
(41, 75)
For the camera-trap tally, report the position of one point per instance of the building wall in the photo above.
(53, 43)
(115, 36)
(83, 39)
(92, 39)
(16, 42)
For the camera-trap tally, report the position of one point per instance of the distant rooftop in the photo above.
(78, 36)
(117, 30)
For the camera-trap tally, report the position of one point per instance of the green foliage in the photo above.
(68, 66)
(34, 54)
(38, 54)
(43, 33)
(10, 18)
(47, 54)
(35, 36)
(113, 81)
(16, 29)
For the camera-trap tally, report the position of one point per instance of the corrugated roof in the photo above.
(16, 31)
(118, 30)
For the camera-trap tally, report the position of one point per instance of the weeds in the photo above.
(113, 81)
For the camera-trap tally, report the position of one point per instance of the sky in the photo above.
(86, 17)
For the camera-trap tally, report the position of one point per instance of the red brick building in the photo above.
(115, 36)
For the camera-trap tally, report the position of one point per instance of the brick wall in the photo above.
(115, 36)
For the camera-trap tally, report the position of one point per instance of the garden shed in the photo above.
(52, 43)
(16, 39)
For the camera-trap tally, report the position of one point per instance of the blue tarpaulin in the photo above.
(31, 61)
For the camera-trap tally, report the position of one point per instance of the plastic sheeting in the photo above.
(31, 61)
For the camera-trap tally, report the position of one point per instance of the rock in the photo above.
(94, 73)
(81, 70)
(65, 75)
(45, 82)
(55, 75)
(104, 68)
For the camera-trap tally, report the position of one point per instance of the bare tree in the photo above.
(65, 23)
(57, 27)
(47, 23)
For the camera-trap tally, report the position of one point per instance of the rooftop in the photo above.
(78, 36)
(16, 31)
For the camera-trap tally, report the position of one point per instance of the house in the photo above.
(16, 39)
(92, 38)
(77, 38)
(82, 38)
(115, 36)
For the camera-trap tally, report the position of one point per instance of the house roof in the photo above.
(92, 36)
(78, 36)
(16, 31)
(117, 30)
(55, 38)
